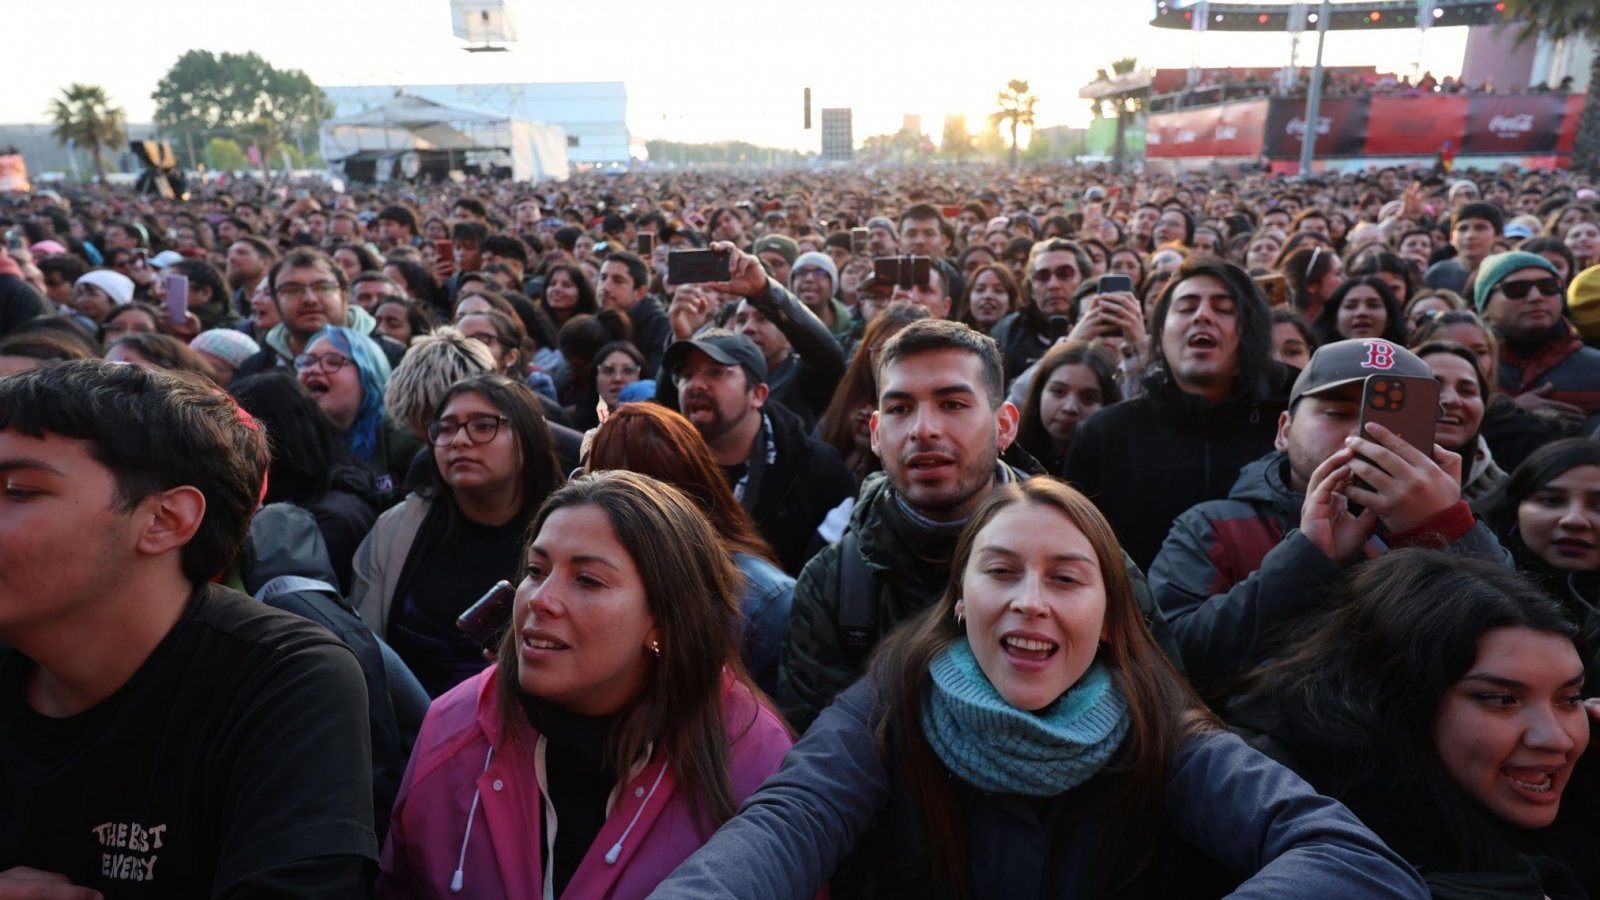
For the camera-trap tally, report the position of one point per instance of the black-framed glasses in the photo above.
(480, 429)
(328, 362)
(1519, 290)
(1059, 273)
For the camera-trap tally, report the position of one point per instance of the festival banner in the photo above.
(1569, 123)
(1511, 124)
(1340, 131)
(1231, 130)
(1415, 126)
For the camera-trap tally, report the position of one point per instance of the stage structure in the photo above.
(413, 137)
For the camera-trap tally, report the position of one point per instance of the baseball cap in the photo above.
(1349, 362)
(724, 347)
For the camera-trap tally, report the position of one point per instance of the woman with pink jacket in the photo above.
(618, 728)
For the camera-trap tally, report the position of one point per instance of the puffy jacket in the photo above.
(1144, 461)
(465, 766)
(1232, 806)
(1233, 571)
(906, 572)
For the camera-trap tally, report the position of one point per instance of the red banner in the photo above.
(1231, 130)
(1514, 124)
(1569, 123)
(1415, 126)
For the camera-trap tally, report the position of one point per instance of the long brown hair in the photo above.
(650, 439)
(860, 382)
(691, 588)
(1162, 708)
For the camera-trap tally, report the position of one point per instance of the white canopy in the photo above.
(394, 133)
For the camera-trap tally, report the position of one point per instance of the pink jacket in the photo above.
(463, 766)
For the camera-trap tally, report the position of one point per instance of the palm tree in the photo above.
(83, 114)
(1562, 20)
(1016, 107)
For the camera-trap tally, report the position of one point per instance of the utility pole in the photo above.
(1308, 140)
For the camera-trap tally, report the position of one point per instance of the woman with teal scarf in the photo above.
(1026, 738)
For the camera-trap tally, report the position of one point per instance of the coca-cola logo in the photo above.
(1185, 136)
(1152, 137)
(1227, 132)
(1297, 126)
(1511, 126)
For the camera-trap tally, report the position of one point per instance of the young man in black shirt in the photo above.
(162, 736)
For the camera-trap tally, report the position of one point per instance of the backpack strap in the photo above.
(858, 609)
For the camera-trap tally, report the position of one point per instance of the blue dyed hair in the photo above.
(372, 367)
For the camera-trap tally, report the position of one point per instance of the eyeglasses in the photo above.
(713, 371)
(294, 290)
(486, 339)
(480, 429)
(618, 371)
(1059, 273)
(1519, 290)
(328, 362)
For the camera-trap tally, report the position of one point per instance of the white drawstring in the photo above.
(615, 852)
(457, 879)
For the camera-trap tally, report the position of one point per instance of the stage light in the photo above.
(1438, 14)
(1375, 16)
(1262, 18)
(1312, 18)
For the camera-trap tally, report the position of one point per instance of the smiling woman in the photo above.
(1441, 698)
(1033, 693)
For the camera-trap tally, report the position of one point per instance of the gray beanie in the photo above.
(818, 260)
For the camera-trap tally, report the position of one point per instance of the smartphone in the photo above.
(647, 244)
(902, 271)
(176, 299)
(445, 252)
(951, 212)
(15, 240)
(1407, 405)
(1114, 284)
(697, 266)
(487, 620)
(858, 241)
(1275, 289)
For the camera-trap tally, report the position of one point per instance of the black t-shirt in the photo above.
(235, 761)
(444, 574)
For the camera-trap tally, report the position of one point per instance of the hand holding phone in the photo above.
(698, 266)
(1396, 472)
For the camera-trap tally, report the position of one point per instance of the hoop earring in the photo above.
(960, 619)
(655, 647)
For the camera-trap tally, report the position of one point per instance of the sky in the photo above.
(694, 72)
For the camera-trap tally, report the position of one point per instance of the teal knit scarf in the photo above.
(1000, 749)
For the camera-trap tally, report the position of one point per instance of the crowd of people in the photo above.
(427, 540)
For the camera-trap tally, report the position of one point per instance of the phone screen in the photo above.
(176, 301)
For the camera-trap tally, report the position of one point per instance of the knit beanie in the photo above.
(883, 222)
(781, 244)
(1495, 268)
(1583, 302)
(117, 286)
(234, 347)
(819, 260)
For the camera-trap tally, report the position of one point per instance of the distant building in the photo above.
(593, 114)
(44, 154)
(838, 144)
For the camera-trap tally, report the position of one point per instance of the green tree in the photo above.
(83, 114)
(206, 94)
(225, 155)
(1016, 108)
(1562, 20)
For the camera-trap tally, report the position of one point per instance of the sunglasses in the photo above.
(1060, 273)
(1519, 290)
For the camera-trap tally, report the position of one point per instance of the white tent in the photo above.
(410, 135)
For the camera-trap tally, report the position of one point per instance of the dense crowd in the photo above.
(1113, 544)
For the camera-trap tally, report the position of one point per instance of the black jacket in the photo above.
(1144, 461)
(805, 481)
(652, 333)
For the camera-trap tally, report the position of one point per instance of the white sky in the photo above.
(694, 71)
